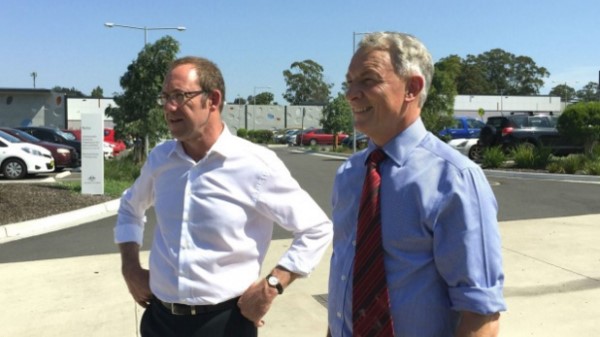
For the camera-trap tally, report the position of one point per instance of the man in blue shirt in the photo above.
(442, 250)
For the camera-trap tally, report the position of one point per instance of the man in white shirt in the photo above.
(216, 198)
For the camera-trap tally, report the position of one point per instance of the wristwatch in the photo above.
(273, 282)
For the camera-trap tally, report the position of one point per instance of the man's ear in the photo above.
(414, 86)
(215, 98)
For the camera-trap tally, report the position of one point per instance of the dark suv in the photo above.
(526, 129)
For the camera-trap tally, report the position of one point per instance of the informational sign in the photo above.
(92, 156)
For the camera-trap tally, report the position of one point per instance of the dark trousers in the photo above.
(157, 321)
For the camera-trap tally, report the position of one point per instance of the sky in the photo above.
(67, 44)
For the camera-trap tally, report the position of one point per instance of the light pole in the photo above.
(565, 91)
(145, 29)
(34, 75)
(254, 106)
(354, 34)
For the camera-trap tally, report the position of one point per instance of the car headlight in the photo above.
(63, 151)
(31, 151)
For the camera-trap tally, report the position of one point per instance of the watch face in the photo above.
(273, 281)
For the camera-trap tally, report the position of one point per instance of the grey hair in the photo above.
(409, 56)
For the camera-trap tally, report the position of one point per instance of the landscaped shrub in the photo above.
(531, 157)
(569, 165)
(493, 157)
(593, 167)
(260, 136)
(242, 133)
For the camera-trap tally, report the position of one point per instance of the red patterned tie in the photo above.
(371, 301)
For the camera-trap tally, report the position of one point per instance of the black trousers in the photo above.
(157, 321)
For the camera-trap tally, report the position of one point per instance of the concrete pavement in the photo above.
(552, 269)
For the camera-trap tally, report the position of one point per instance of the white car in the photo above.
(18, 159)
(467, 146)
(108, 150)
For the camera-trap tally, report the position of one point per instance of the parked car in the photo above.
(53, 135)
(65, 156)
(281, 136)
(362, 141)
(290, 138)
(18, 159)
(118, 146)
(317, 137)
(467, 146)
(463, 127)
(526, 129)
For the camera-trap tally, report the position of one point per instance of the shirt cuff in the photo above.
(128, 233)
(484, 301)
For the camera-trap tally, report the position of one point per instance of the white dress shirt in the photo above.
(215, 219)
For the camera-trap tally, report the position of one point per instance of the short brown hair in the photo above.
(209, 75)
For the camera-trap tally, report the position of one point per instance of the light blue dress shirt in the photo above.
(440, 236)
(215, 219)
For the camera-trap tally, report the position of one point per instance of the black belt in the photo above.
(184, 309)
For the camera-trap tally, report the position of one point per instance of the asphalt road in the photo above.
(518, 199)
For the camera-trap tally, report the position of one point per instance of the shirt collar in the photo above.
(222, 146)
(399, 147)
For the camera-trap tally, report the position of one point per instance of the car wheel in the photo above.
(313, 142)
(475, 152)
(487, 136)
(14, 169)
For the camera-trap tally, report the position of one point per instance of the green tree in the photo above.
(72, 92)
(239, 100)
(499, 72)
(138, 113)
(97, 92)
(264, 98)
(439, 108)
(564, 91)
(589, 93)
(581, 122)
(305, 84)
(337, 116)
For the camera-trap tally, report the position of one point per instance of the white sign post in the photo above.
(92, 156)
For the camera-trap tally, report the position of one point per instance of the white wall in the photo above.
(78, 106)
(468, 105)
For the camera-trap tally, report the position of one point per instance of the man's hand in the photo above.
(136, 277)
(256, 301)
(138, 283)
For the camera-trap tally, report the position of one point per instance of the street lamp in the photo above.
(354, 34)
(145, 29)
(254, 106)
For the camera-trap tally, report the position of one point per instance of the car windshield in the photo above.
(66, 135)
(26, 136)
(9, 138)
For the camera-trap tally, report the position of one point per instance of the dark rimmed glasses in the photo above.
(178, 97)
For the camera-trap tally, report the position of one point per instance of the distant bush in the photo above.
(242, 133)
(531, 157)
(260, 136)
(568, 165)
(493, 157)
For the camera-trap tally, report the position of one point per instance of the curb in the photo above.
(56, 222)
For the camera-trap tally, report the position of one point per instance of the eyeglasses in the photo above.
(178, 97)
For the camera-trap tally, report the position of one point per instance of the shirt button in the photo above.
(354, 243)
(343, 277)
(339, 314)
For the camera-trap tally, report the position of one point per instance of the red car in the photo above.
(318, 137)
(109, 136)
(65, 156)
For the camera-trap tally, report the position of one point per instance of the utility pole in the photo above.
(34, 75)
